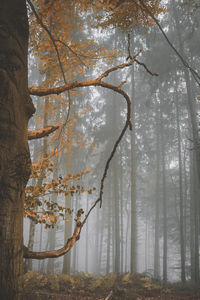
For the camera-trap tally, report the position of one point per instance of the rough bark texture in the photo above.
(15, 110)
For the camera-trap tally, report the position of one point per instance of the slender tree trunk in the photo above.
(182, 239)
(102, 229)
(97, 225)
(87, 242)
(109, 231)
(68, 225)
(15, 110)
(116, 207)
(146, 239)
(192, 225)
(74, 249)
(52, 231)
(133, 258)
(157, 203)
(164, 198)
(121, 219)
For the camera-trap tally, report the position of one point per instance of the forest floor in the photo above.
(82, 286)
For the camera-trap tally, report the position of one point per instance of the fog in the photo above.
(149, 219)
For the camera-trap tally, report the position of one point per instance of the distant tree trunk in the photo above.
(113, 228)
(97, 229)
(52, 231)
(194, 221)
(68, 225)
(127, 256)
(109, 231)
(196, 156)
(182, 239)
(116, 207)
(115, 113)
(15, 111)
(164, 198)
(146, 240)
(102, 229)
(157, 203)
(86, 242)
(192, 214)
(74, 249)
(133, 254)
(121, 218)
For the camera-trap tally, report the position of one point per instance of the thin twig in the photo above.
(137, 61)
(146, 68)
(70, 49)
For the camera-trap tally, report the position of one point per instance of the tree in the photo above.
(16, 109)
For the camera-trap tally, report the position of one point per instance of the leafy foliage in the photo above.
(38, 205)
(124, 14)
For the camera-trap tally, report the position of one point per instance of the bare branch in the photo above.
(96, 82)
(137, 61)
(122, 66)
(77, 84)
(40, 133)
(59, 252)
(146, 68)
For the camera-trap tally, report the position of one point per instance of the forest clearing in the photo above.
(99, 149)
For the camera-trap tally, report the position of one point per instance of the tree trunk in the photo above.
(182, 238)
(15, 110)
(165, 237)
(116, 208)
(109, 231)
(133, 258)
(68, 225)
(157, 203)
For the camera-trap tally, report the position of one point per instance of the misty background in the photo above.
(149, 220)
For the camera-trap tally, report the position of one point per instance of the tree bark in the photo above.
(15, 110)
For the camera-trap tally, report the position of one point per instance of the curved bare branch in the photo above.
(40, 133)
(57, 253)
(77, 84)
(94, 82)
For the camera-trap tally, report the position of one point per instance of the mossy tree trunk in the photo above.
(15, 111)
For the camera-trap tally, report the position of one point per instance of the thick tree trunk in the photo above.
(15, 110)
